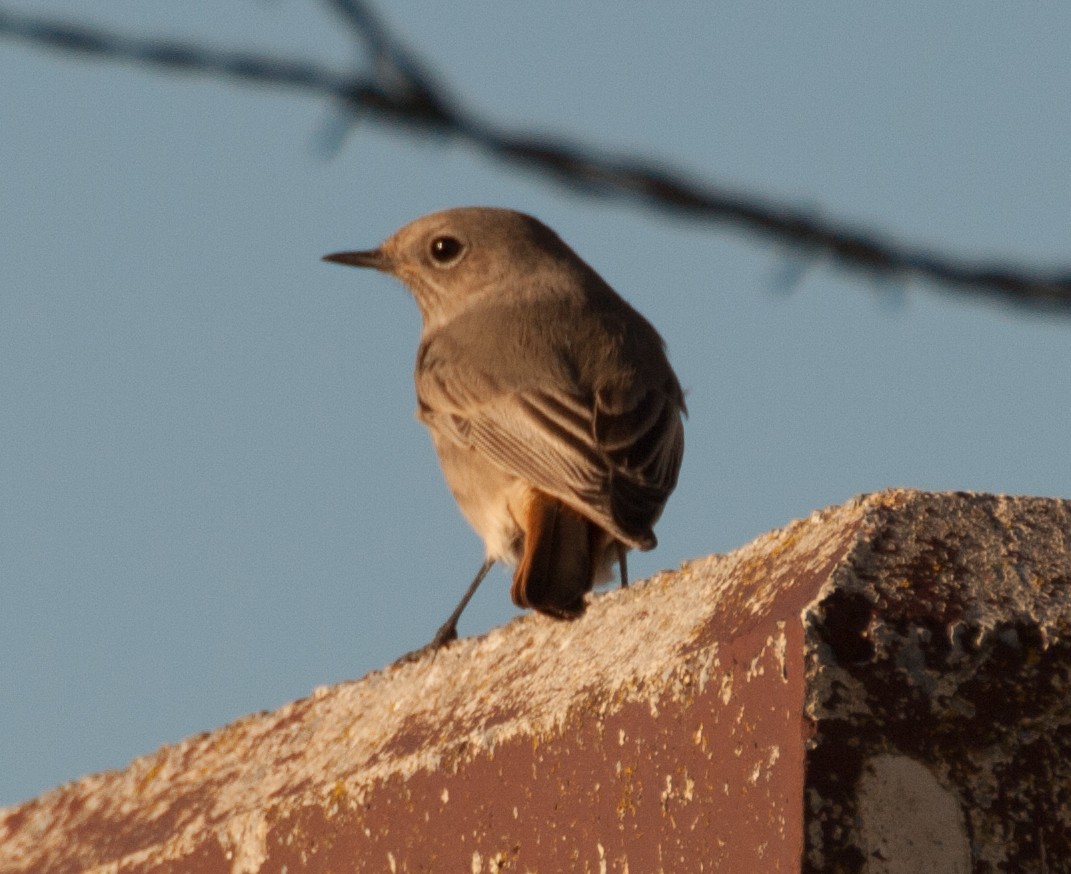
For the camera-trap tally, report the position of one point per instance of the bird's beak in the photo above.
(374, 258)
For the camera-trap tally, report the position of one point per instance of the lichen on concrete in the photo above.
(943, 639)
(728, 714)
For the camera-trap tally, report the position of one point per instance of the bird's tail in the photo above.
(558, 565)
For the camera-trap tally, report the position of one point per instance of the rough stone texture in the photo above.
(944, 641)
(884, 687)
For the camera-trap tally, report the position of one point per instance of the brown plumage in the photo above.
(555, 413)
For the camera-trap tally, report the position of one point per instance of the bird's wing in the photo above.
(614, 457)
(641, 433)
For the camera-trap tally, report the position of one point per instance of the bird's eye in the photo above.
(446, 250)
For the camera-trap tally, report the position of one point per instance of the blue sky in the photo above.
(214, 495)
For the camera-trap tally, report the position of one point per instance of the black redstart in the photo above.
(552, 406)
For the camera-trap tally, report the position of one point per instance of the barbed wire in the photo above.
(401, 91)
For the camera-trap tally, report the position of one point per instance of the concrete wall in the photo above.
(884, 686)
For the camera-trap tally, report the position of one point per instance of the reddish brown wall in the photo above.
(881, 687)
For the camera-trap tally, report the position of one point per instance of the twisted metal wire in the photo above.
(401, 91)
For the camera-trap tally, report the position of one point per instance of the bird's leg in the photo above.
(448, 630)
(622, 563)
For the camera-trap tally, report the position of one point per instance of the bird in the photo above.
(551, 403)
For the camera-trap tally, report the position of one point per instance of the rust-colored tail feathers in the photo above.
(560, 553)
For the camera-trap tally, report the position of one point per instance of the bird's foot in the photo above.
(446, 634)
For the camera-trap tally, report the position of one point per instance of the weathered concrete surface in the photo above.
(943, 645)
(884, 686)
